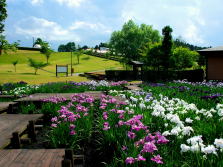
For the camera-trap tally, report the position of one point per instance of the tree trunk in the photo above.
(0, 52)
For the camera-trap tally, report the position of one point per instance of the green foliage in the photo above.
(128, 41)
(183, 58)
(69, 47)
(14, 63)
(5, 46)
(28, 109)
(3, 14)
(166, 46)
(78, 54)
(180, 42)
(45, 48)
(152, 55)
(36, 65)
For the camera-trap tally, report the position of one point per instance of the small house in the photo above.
(214, 62)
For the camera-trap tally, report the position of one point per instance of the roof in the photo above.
(136, 63)
(219, 48)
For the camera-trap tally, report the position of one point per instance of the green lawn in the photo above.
(26, 73)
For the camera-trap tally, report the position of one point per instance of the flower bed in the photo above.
(70, 87)
(146, 128)
(195, 135)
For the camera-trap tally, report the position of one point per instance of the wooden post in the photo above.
(56, 70)
(10, 109)
(31, 131)
(66, 163)
(69, 155)
(67, 71)
(15, 140)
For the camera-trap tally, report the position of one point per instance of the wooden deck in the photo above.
(133, 87)
(10, 123)
(4, 105)
(40, 96)
(31, 157)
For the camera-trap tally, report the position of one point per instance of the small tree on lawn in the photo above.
(79, 53)
(14, 63)
(36, 65)
(47, 54)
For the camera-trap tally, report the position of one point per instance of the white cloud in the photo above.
(90, 26)
(98, 27)
(36, 2)
(48, 30)
(185, 17)
(71, 3)
(192, 34)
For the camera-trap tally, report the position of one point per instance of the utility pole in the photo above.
(71, 71)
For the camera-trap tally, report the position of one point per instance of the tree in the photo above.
(166, 46)
(79, 53)
(131, 38)
(69, 47)
(3, 14)
(62, 48)
(152, 55)
(45, 48)
(47, 54)
(5, 46)
(36, 65)
(96, 47)
(85, 47)
(14, 63)
(183, 58)
(39, 41)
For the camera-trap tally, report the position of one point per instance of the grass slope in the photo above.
(26, 73)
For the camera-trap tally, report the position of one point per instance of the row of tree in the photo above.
(145, 44)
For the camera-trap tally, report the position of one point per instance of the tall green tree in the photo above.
(131, 38)
(167, 44)
(3, 14)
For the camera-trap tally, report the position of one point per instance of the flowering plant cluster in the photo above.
(28, 89)
(136, 142)
(72, 124)
(192, 130)
(204, 83)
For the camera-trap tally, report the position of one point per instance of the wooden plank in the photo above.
(10, 123)
(133, 87)
(31, 157)
(5, 105)
(40, 96)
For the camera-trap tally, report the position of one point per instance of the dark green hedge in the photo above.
(190, 75)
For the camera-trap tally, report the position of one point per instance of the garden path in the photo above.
(10, 123)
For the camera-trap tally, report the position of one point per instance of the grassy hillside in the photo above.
(26, 73)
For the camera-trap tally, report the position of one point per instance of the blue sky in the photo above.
(89, 22)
